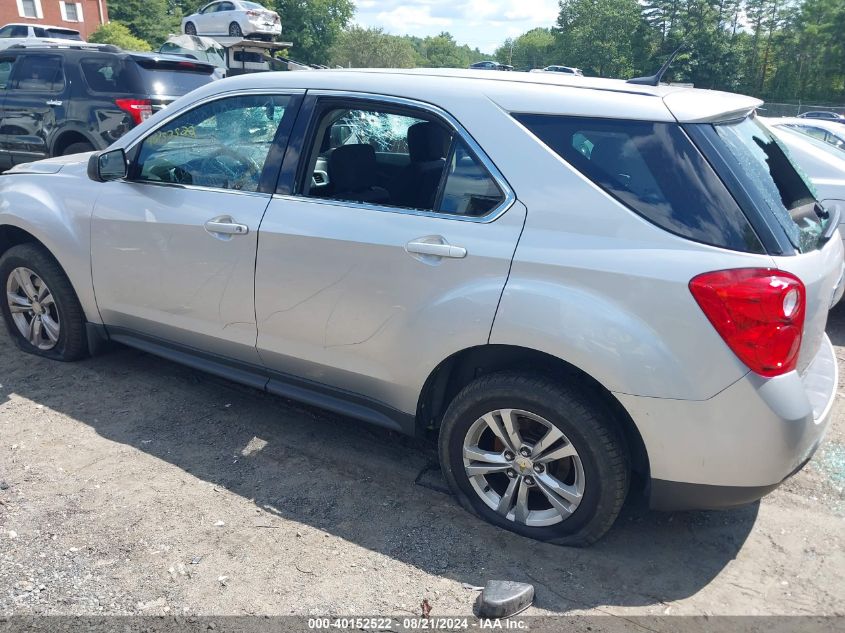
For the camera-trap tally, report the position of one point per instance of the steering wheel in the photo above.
(244, 170)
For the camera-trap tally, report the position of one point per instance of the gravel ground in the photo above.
(130, 485)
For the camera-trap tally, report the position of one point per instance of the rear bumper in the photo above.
(739, 445)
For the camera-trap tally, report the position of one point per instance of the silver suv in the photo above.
(569, 281)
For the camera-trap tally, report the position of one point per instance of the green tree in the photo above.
(118, 34)
(150, 20)
(357, 47)
(597, 35)
(534, 49)
(313, 26)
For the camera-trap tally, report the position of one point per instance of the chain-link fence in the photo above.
(794, 109)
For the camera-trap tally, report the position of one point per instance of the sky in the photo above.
(480, 23)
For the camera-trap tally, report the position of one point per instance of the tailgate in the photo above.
(821, 272)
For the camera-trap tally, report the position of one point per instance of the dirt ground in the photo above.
(132, 485)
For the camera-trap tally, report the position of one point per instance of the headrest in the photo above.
(428, 141)
(353, 167)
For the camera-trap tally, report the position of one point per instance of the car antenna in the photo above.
(654, 80)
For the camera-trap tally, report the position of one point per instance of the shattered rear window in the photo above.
(765, 168)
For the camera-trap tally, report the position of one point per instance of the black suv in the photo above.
(58, 100)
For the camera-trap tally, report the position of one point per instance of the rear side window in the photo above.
(173, 79)
(654, 169)
(5, 71)
(39, 73)
(763, 165)
(106, 74)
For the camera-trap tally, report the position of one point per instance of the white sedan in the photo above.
(233, 18)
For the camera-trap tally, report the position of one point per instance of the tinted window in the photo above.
(39, 73)
(223, 144)
(654, 169)
(764, 166)
(172, 79)
(106, 74)
(64, 34)
(14, 31)
(5, 71)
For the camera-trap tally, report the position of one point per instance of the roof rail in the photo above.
(77, 46)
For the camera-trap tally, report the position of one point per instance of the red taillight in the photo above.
(254, 14)
(139, 109)
(759, 312)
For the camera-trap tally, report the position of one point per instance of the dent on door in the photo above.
(369, 301)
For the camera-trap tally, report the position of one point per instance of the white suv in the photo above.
(565, 280)
(15, 34)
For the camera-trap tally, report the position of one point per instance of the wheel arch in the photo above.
(461, 368)
(68, 137)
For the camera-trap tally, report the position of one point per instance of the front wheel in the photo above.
(535, 457)
(190, 29)
(41, 310)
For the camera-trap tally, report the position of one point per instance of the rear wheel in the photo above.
(235, 30)
(78, 148)
(190, 29)
(535, 457)
(41, 310)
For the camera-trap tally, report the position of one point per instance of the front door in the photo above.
(173, 246)
(389, 255)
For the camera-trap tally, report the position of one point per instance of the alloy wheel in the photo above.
(523, 467)
(33, 308)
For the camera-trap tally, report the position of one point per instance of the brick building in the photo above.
(83, 15)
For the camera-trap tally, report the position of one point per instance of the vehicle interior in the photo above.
(396, 160)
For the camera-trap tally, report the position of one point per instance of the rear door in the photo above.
(35, 102)
(360, 291)
(7, 63)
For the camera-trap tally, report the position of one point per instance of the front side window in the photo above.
(223, 144)
(654, 169)
(396, 158)
(39, 73)
(14, 30)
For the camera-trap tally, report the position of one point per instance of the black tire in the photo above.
(78, 148)
(235, 30)
(587, 425)
(190, 28)
(72, 340)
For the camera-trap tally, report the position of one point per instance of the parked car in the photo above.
(823, 114)
(14, 34)
(828, 131)
(565, 289)
(490, 65)
(566, 70)
(235, 18)
(204, 49)
(823, 163)
(68, 99)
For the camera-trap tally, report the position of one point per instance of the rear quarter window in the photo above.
(655, 170)
(107, 75)
(779, 188)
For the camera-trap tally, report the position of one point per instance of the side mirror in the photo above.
(108, 165)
